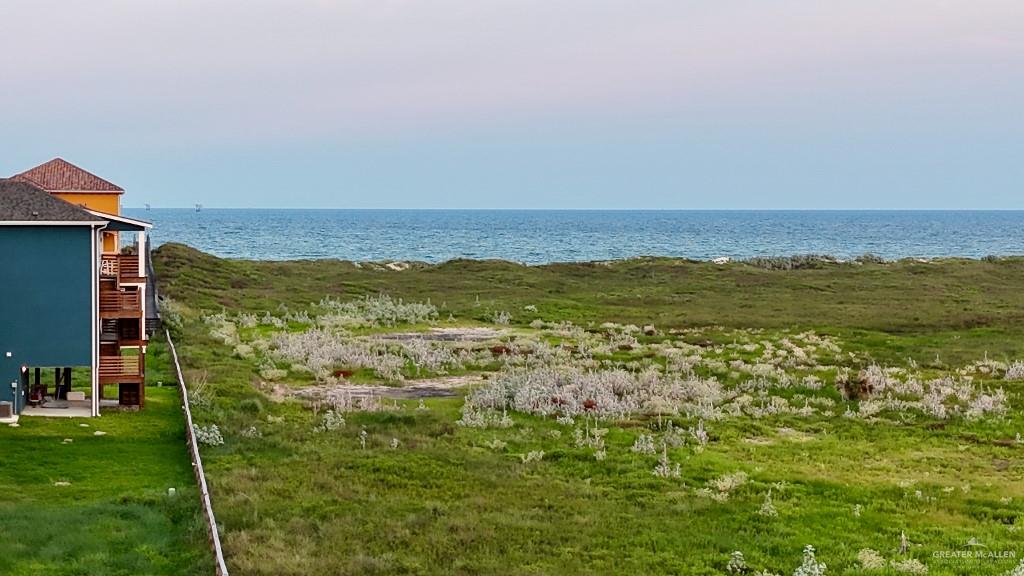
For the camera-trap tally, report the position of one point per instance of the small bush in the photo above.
(251, 405)
(208, 435)
(1015, 371)
(799, 262)
(870, 258)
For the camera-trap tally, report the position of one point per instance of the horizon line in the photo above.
(365, 209)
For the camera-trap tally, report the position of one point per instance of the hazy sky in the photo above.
(523, 103)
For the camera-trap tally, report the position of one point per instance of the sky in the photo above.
(575, 104)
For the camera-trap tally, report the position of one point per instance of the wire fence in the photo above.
(213, 532)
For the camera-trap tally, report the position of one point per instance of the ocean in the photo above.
(540, 236)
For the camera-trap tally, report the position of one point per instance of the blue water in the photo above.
(561, 236)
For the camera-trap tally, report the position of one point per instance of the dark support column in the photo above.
(38, 371)
(63, 383)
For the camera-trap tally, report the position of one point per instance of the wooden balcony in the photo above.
(122, 369)
(123, 267)
(120, 304)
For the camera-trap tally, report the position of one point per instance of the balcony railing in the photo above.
(121, 266)
(114, 303)
(122, 369)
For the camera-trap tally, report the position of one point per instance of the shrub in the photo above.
(171, 313)
(1015, 371)
(736, 565)
(665, 468)
(644, 444)
(379, 310)
(251, 405)
(767, 507)
(810, 565)
(330, 422)
(273, 373)
(208, 435)
(532, 456)
(798, 262)
(869, 258)
(871, 560)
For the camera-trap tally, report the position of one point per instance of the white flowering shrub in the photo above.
(379, 310)
(532, 456)
(222, 329)
(768, 507)
(496, 444)
(665, 468)
(246, 320)
(318, 351)
(644, 444)
(719, 489)
(1014, 371)
(476, 417)
(330, 421)
(273, 321)
(432, 356)
(737, 564)
(871, 560)
(700, 437)
(501, 318)
(273, 374)
(171, 313)
(208, 435)
(810, 565)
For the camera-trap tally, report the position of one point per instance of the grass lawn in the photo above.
(88, 496)
(867, 410)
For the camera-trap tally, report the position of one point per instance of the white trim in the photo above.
(94, 276)
(141, 240)
(118, 218)
(52, 223)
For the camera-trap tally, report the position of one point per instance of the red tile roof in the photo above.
(59, 175)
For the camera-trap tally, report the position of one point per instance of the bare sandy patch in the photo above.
(468, 334)
(794, 435)
(426, 388)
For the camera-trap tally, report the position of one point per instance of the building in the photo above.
(69, 182)
(76, 299)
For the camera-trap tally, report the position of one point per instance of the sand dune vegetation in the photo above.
(646, 416)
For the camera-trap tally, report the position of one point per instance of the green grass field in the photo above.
(870, 410)
(88, 496)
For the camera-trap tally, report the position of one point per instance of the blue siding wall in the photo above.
(45, 300)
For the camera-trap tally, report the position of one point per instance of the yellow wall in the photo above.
(110, 243)
(109, 203)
